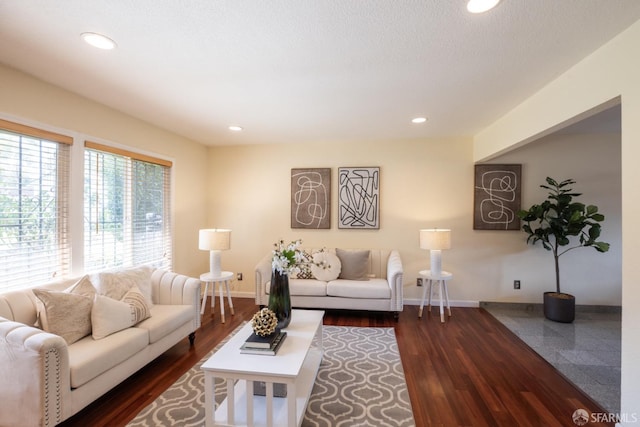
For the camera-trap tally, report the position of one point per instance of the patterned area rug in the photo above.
(360, 383)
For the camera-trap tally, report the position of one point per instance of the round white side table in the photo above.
(441, 281)
(224, 279)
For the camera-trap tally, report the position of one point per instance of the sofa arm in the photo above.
(394, 277)
(263, 275)
(169, 288)
(34, 376)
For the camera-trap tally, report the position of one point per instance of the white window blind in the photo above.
(34, 191)
(126, 209)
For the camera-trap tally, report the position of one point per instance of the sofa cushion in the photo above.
(65, 314)
(165, 319)
(326, 266)
(305, 266)
(109, 315)
(115, 284)
(82, 287)
(355, 264)
(89, 358)
(138, 304)
(307, 287)
(373, 288)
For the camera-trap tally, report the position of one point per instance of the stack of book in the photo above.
(268, 345)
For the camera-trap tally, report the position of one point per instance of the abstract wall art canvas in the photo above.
(311, 198)
(497, 197)
(359, 198)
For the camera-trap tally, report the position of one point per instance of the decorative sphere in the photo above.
(264, 322)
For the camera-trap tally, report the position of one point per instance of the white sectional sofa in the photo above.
(365, 279)
(45, 380)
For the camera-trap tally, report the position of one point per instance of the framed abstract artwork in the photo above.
(311, 198)
(359, 198)
(497, 197)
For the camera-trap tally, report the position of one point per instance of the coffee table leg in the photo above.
(269, 404)
(249, 393)
(209, 412)
(231, 399)
(291, 404)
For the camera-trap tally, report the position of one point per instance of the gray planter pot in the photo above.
(559, 307)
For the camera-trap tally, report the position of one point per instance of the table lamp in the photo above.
(214, 240)
(436, 240)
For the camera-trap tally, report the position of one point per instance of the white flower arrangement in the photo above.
(287, 258)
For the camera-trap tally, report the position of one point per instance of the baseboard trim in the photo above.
(408, 301)
(537, 307)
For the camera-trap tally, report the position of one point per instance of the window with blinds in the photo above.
(34, 192)
(126, 209)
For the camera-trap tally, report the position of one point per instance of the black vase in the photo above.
(280, 299)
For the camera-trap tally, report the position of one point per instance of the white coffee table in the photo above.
(296, 365)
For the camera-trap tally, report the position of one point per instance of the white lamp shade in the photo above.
(435, 238)
(214, 239)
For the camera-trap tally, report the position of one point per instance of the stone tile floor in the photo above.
(586, 351)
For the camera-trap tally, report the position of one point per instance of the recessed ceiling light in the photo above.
(419, 120)
(98, 40)
(235, 128)
(480, 6)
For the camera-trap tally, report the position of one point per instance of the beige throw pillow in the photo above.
(65, 314)
(115, 284)
(355, 264)
(139, 308)
(109, 315)
(326, 266)
(82, 287)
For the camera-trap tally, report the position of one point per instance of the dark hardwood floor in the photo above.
(469, 371)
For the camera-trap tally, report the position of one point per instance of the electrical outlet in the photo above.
(419, 281)
(516, 284)
(239, 276)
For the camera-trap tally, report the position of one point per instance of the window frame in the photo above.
(167, 222)
(59, 264)
(75, 181)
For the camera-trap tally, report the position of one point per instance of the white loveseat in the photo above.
(373, 281)
(44, 380)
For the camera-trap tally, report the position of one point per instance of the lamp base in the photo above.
(214, 263)
(436, 262)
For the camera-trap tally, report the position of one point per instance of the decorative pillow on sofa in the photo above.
(115, 284)
(109, 315)
(355, 264)
(65, 314)
(82, 287)
(326, 266)
(305, 267)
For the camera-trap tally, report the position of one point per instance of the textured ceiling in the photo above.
(307, 70)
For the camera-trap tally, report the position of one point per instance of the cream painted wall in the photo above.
(36, 103)
(426, 183)
(593, 277)
(610, 72)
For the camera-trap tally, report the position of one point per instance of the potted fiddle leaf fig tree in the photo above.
(562, 224)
